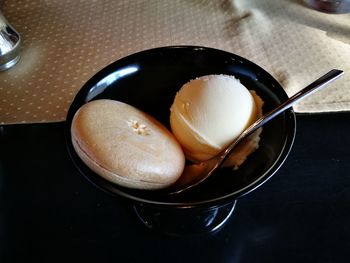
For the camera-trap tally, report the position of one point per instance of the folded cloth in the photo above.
(66, 42)
(298, 45)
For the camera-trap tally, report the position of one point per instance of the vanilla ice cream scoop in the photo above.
(209, 112)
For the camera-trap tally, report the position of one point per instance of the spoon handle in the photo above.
(195, 174)
(314, 86)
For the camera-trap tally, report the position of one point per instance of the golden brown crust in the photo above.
(126, 146)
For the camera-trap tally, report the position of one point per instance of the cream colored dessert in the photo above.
(209, 112)
(250, 144)
(126, 146)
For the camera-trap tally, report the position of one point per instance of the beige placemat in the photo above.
(66, 42)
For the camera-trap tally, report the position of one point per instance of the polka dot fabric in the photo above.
(66, 42)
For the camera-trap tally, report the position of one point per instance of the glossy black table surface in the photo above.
(50, 213)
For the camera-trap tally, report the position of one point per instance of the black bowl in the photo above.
(149, 81)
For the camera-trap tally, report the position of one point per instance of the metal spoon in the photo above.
(195, 174)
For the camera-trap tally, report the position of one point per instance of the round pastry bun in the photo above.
(126, 146)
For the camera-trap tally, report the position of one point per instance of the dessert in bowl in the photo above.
(149, 81)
